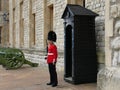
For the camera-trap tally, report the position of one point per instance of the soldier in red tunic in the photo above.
(52, 58)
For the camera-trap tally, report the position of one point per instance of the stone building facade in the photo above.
(31, 20)
(4, 23)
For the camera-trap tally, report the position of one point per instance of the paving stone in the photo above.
(29, 78)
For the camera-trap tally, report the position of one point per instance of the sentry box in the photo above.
(79, 45)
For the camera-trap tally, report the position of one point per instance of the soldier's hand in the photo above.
(45, 58)
(54, 63)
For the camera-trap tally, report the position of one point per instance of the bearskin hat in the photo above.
(52, 36)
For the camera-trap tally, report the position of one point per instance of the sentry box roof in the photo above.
(77, 10)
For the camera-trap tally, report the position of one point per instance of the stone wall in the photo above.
(58, 25)
(4, 23)
(98, 6)
(109, 77)
(39, 57)
(114, 8)
(37, 7)
(115, 38)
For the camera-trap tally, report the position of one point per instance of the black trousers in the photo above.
(53, 73)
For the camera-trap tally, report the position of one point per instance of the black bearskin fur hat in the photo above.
(52, 36)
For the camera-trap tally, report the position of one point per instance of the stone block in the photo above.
(114, 11)
(108, 78)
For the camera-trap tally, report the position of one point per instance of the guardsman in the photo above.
(52, 55)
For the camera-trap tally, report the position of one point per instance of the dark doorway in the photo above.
(68, 51)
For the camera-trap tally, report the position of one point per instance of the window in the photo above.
(83, 3)
(0, 5)
(14, 27)
(79, 2)
(33, 30)
(21, 25)
(48, 22)
(32, 34)
(51, 17)
(0, 34)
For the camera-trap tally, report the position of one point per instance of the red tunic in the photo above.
(52, 53)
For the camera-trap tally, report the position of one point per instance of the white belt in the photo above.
(50, 54)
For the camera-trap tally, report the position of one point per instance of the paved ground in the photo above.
(28, 78)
